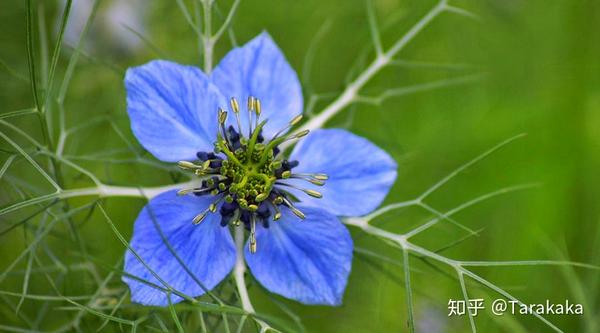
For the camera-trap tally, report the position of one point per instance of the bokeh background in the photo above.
(532, 67)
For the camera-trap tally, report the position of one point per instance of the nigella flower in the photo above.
(297, 247)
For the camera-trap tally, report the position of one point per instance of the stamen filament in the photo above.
(250, 109)
(312, 193)
(319, 176)
(252, 243)
(294, 210)
(292, 122)
(192, 190)
(310, 179)
(277, 214)
(211, 209)
(236, 110)
(239, 125)
(188, 165)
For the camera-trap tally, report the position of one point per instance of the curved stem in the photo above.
(240, 270)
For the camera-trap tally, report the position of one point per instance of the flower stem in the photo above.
(208, 40)
(240, 269)
(240, 282)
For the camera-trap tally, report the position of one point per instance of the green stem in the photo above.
(208, 40)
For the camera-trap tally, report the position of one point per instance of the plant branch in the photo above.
(240, 270)
(459, 266)
(349, 95)
(227, 22)
(207, 39)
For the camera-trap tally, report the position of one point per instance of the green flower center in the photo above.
(247, 175)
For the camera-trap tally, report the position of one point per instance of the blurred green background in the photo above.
(538, 73)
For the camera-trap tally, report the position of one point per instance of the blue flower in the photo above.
(297, 247)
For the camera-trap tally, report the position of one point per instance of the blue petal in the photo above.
(306, 260)
(173, 109)
(207, 249)
(360, 173)
(260, 69)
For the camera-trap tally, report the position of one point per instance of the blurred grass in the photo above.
(540, 77)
